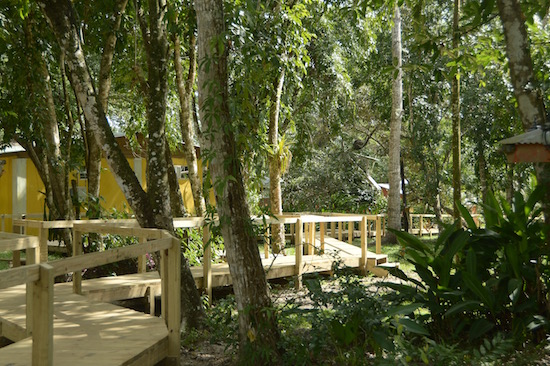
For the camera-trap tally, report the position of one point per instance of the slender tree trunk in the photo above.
(185, 93)
(257, 324)
(93, 163)
(156, 47)
(47, 156)
(62, 18)
(176, 198)
(455, 106)
(158, 168)
(482, 166)
(275, 195)
(394, 176)
(529, 98)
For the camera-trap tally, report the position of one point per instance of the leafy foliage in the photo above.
(480, 281)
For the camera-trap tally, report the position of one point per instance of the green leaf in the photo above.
(413, 327)
(536, 322)
(404, 309)
(466, 216)
(515, 286)
(411, 241)
(479, 328)
(463, 306)
(474, 284)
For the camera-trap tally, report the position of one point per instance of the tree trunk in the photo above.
(185, 93)
(275, 195)
(455, 106)
(46, 155)
(158, 186)
(257, 323)
(394, 176)
(93, 163)
(529, 98)
(156, 47)
(176, 198)
(62, 18)
(482, 168)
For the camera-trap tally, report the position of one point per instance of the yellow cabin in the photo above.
(22, 190)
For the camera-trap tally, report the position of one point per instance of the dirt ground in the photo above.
(206, 354)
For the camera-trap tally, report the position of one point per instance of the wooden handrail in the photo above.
(40, 277)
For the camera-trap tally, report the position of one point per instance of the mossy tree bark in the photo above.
(526, 87)
(275, 193)
(394, 174)
(149, 213)
(187, 126)
(258, 330)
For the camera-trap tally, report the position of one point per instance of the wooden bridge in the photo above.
(73, 323)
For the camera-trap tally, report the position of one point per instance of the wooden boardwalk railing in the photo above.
(40, 278)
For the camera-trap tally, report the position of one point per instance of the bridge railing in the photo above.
(39, 278)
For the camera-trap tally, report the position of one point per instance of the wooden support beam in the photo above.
(298, 253)
(333, 229)
(96, 259)
(350, 232)
(312, 238)
(42, 317)
(322, 230)
(171, 297)
(77, 251)
(340, 230)
(421, 225)
(142, 259)
(266, 242)
(33, 257)
(43, 243)
(207, 263)
(306, 238)
(18, 276)
(379, 234)
(292, 226)
(364, 238)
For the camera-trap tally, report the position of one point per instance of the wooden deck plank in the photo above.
(88, 332)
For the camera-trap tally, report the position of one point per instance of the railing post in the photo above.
(207, 263)
(171, 302)
(77, 250)
(322, 228)
(42, 317)
(312, 238)
(421, 224)
(43, 240)
(266, 242)
(363, 264)
(292, 226)
(378, 234)
(351, 228)
(16, 254)
(306, 237)
(333, 229)
(298, 253)
(33, 257)
(142, 259)
(340, 229)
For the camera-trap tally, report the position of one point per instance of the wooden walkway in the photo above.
(86, 330)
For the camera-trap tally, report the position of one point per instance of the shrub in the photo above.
(480, 281)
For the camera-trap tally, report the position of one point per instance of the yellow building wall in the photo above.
(35, 190)
(113, 198)
(5, 195)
